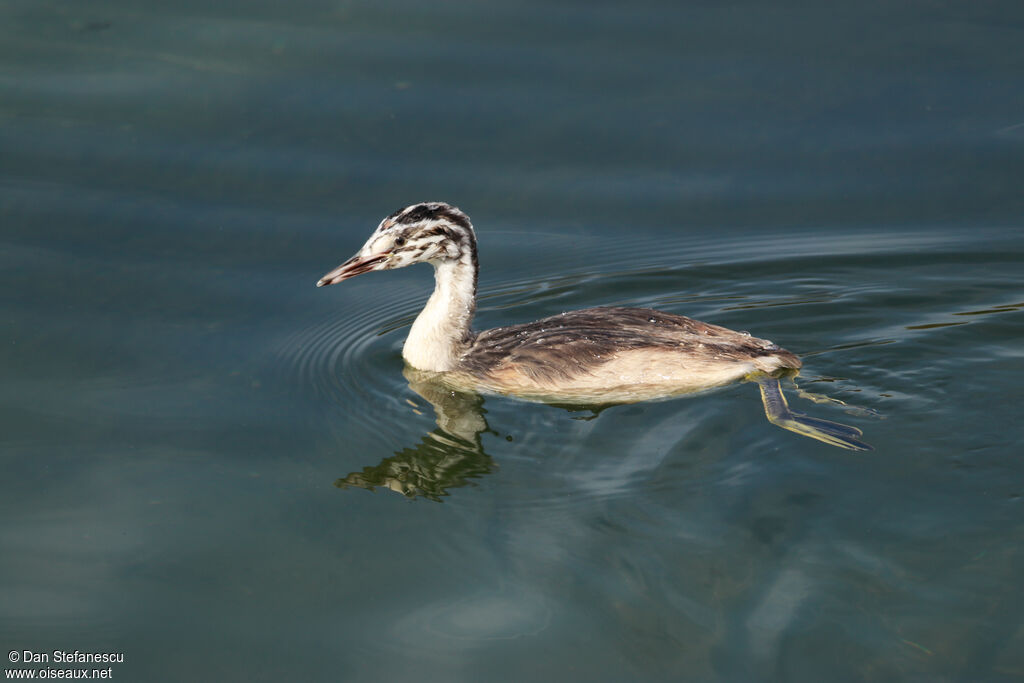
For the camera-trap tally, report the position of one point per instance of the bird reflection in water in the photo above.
(452, 455)
(445, 458)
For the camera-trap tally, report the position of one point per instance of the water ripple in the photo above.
(339, 359)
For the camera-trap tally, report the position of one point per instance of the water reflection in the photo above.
(447, 457)
(453, 454)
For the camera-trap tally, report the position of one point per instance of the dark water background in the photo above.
(178, 400)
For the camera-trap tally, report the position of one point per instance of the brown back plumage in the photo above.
(566, 345)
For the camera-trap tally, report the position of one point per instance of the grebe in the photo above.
(591, 356)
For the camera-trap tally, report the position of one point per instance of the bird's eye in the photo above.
(399, 241)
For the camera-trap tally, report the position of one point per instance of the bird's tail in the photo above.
(779, 413)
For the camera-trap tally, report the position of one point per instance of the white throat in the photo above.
(441, 332)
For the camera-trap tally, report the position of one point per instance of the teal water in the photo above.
(188, 425)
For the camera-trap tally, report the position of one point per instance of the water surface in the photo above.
(188, 425)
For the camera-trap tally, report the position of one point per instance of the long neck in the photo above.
(441, 332)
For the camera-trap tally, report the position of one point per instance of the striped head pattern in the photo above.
(428, 232)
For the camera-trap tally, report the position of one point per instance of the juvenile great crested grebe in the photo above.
(591, 356)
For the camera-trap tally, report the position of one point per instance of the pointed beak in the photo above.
(357, 265)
